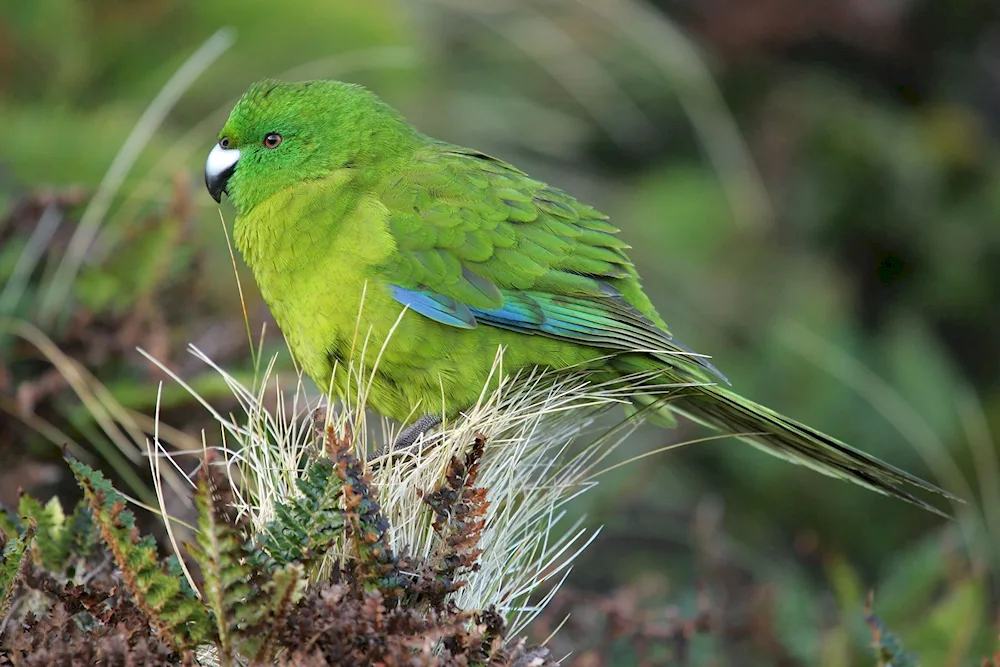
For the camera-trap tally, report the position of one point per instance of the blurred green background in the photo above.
(812, 191)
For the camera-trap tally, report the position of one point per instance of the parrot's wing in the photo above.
(480, 242)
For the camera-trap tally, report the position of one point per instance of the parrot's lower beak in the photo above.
(219, 167)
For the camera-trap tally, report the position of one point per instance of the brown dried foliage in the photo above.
(734, 613)
(56, 638)
(380, 609)
(103, 334)
(95, 623)
(460, 515)
(376, 564)
(739, 29)
(336, 625)
(601, 623)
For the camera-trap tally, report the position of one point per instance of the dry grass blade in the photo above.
(143, 131)
(33, 252)
(114, 420)
(531, 469)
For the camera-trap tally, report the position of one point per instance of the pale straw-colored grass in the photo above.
(545, 436)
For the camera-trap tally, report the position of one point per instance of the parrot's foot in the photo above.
(408, 437)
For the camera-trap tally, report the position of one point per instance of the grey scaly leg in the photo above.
(409, 435)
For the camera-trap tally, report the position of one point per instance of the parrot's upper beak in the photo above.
(219, 167)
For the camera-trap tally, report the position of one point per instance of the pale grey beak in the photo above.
(219, 166)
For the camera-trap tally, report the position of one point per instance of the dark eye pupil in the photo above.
(272, 140)
(224, 142)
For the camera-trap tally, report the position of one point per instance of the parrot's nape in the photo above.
(347, 215)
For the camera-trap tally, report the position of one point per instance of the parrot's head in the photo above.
(279, 134)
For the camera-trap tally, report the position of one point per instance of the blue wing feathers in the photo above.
(436, 306)
(607, 321)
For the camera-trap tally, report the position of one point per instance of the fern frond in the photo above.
(9, 527)
(888, 647)
(84, 534)
(48, 549)
(250, 595)
(61, 540)
(220, 552)
(282, 593)
(306, 526)
(159, 592)
(12, 564)
(459, 518)
(377, 567)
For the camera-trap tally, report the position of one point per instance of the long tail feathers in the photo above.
(780, 436)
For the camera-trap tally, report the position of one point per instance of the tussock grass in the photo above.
(545, 435)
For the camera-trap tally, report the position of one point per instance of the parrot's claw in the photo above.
(408, 437)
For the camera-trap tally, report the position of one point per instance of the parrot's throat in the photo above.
(313, 249)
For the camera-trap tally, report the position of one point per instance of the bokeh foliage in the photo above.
(812, 193)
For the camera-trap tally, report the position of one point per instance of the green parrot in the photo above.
(375, 243)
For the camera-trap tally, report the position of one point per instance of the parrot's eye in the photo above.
(272, 140)
(224, 142)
